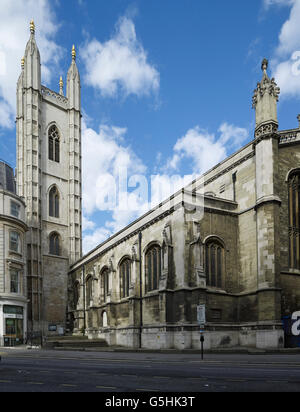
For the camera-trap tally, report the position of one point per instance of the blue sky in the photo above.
(166, 88)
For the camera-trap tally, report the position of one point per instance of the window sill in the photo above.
(15, 294)
(56, 256)
(291, 272)
(13, 252)
(215, 289)
(151, 293)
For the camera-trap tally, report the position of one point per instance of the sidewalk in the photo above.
(121, 349)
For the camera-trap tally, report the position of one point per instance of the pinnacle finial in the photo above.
(264, 65)
(32, 27)
(298, 117)
(73, 52)
(61, 85)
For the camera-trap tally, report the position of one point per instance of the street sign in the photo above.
(201, 318)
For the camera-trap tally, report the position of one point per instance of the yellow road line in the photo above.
(106, 387)
(147, 390)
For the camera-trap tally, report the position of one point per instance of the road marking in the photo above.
(147, 390)
(199, 379)
(234, 380)
(106, 387)
(4, 381)
(35, 383)
(162, 377)
(68, 385)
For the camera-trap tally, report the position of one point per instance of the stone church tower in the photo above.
(48, 128)
(268, 201)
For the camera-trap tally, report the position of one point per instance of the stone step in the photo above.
(75, 343)
(67, 338)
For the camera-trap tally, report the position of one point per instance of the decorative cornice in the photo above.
(266, 131)
(54, 97)
(267, 199)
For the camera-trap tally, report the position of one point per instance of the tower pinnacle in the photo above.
(73, 52)
(264, 65)
(61, 86)
(264, 102)
(32, 27)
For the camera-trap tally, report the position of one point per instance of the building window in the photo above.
(14, 281)
(89, 290)
(76, 294)
(153, 268)
(15, 209)
(214, 263)
(105, 284)
(294, 224)
(104, 320)
(54, 202)
(53, 136)
(125, 277)
(14, 242)
(54, 244)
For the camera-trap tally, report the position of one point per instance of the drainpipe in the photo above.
(141, 291)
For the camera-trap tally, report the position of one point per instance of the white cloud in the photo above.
(286, 59)
(14, 33)
(120, 64)
(108, 168)
(106, 160)
(87, 224)
(205, 150)
(269, 3)
(115, 180)
(290, 32)
(91, 240)
(232, 136)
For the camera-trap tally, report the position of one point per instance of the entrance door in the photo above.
(13, 332)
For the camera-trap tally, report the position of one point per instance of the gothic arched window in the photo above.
(76, 293)
(54, 244)
(54, 202)
(153, 267)
(214, 263)
(105, 283)
(294, 220)
(125, 277)
(54, 143)
(89, 290)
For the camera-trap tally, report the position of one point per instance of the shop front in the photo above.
(13, 325)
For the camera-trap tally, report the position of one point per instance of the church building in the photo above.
(228, 242)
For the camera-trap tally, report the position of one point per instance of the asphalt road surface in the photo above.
(66, 371)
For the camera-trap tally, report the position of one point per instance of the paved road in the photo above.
(65, 371)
